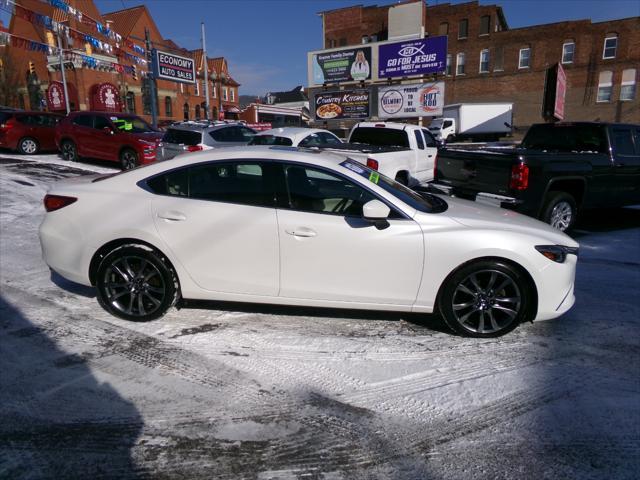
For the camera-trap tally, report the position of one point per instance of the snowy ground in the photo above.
(240, 391)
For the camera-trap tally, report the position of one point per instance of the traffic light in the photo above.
(32, 68)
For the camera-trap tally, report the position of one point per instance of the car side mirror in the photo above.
(377, 213)
(108, 130)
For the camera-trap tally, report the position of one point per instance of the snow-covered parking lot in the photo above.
(243, 391)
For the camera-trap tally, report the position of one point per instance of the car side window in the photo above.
(636, 138)
(429, 139)
(174, 183)
(101, 122)
(623, 142)
(234, 182)
(329, 139)
(312, 140)
(419, 139)
(315, 190)
(246, 134)
(84, 121)
(222, 134)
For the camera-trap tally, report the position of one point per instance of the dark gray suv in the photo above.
(187, 137)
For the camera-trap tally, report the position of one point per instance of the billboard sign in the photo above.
(561, 90)
(167, 66)
(412, 100)
(348, 65)
(338, 105)
(413, 57)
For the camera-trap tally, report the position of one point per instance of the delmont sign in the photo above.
(415, 57)
(168, 66)
(414, 100)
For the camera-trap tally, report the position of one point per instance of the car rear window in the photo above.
(4, 116)
(381, 137)
(567, 138)
(186, 137)
(270, 140)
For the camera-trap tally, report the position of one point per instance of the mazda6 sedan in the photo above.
(281, 225)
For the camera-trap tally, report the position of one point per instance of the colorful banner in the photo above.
(353, 64)
(342, 104)
(414, 100)
(173, 67)
(414, 57)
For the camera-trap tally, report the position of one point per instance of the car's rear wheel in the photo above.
(487, 298)
(560, 211)
(402, 178)
(128, 159)
(69, 151)
(28, 146)
(136, 283)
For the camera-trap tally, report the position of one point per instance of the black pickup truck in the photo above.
(558, 170)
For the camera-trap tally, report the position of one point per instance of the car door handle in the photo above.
(301, 232)
(173, 216)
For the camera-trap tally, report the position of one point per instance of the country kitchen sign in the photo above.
(342, 104)
(414, 57)
(413, 100)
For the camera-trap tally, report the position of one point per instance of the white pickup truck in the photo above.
(404, 152)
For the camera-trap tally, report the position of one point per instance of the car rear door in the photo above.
(47, 131)
(219, 220)
(625, 143)
(329, 252)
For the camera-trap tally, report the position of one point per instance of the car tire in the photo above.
(128, 159)
(28, 146)
(69, 151)
(402, 178)
(136, 283)
(486, 298)
(560, 211)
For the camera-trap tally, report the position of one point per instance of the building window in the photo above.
(610, 46)
(224, 94)
(628, 87)
(197, 88)
(484, 61)
(498, 60)
(443, 29)
(463, 28)
(197, 112)
(214, 92)
(460, 64)
(605, 85)
(185, 111)
(448, 71)
(568, 49)
(233, 94)
(485, 25)
(130, 102)
(168, 110)
(524, 60)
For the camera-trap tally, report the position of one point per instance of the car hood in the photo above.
(475, 215)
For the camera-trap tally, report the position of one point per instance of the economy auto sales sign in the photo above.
(415, 57)
(168, 66)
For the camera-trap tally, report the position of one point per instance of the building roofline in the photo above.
(400, 2)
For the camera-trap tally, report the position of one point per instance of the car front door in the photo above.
(626, 161)
(330, 252)
(105, 139)
(218, 219)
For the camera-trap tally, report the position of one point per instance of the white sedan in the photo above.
(280, 225)
(296, 137)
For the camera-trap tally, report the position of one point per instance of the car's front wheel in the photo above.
(69, 151)
(28, 146)
(486, 298)
(136, 283)
(128, 159)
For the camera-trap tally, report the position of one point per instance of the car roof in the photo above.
(201, 126)
(293, 133)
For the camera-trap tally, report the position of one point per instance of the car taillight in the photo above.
(56, 202)
(519, 177)
(7, 126)
(373, 164)
(194, 148)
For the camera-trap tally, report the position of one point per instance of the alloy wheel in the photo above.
(69, 151)
(487, 301)
(134, 286)
(561, 216)
(129, 160)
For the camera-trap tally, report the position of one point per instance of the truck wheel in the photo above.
(402, 178)
(560, 211)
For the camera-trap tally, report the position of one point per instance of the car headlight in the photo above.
(557, 253)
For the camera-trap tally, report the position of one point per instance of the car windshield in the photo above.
(270, 140)
(130, 124)
(380, 137)
(423, 202)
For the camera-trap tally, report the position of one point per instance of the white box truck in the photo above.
(475, 121)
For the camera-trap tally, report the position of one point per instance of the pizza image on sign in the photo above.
(330, 110)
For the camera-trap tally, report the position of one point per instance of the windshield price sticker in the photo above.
(374, 177)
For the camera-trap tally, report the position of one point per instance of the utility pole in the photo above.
(64, 76)
(151, 79)
(206, 74)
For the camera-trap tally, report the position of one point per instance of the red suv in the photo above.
(28, 132)
(118, 137)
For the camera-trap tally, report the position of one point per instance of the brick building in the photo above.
(175, 101)
(489, 62)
